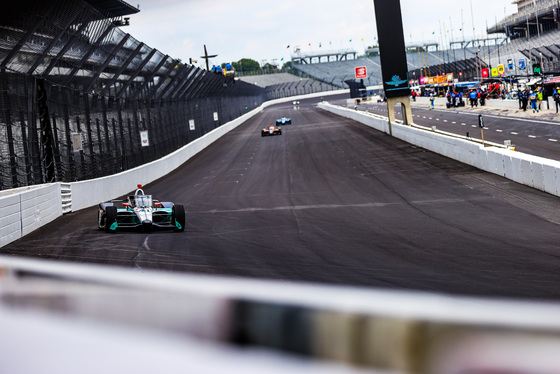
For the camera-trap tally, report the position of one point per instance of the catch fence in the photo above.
(80, 98)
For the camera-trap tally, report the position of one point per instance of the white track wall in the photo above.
(28, 209)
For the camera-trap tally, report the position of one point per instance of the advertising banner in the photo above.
(361, 72)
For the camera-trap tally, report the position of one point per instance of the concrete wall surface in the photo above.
(77, 318)
(28, 209)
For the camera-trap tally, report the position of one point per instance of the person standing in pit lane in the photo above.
(533, 97)
(524, 99)
(474, 98)
(539, 97)
(556, 97)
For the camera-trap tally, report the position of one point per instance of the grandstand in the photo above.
(284, 84)
(266, 80)
(534, 34)
(426, 59)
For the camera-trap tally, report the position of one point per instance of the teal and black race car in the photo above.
(140, 211)
(283, 121)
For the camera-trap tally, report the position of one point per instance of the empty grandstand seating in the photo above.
(436, 61)
(530, 49)
(284, 84)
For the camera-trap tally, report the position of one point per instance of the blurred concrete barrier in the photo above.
(64, 318)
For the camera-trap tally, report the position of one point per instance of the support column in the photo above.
(406, 109)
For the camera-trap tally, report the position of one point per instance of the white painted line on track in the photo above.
(499, 130)
(532, 136)
(552, 140)
(514, 133)
(555, 123)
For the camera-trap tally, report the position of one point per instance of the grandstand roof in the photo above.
(114, 8)
(528, 12)
(270, 79)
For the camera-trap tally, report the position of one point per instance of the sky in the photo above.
(269, 32)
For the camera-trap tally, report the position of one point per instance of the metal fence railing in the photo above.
(79, 97)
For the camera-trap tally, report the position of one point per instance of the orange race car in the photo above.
(271, 130)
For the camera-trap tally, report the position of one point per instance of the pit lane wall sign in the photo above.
(391, 47)
(144, 139)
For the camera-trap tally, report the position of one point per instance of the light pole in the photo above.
(478, 63)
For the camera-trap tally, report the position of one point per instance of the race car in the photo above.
(271, 130)
(283, 121)
(140, 211)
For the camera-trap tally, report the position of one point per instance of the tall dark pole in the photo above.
(207, 57)
(392, 48)
(394, 68)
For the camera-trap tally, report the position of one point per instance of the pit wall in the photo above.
(537, 172)
(25, 209)
(491, 103)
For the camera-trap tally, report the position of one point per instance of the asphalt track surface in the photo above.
(332, 201)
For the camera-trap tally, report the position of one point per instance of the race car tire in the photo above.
(99, 220)
(110, 217)
(178, 216)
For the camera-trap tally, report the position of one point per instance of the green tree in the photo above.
(246, 65)
(269, 68)
(287, 68)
